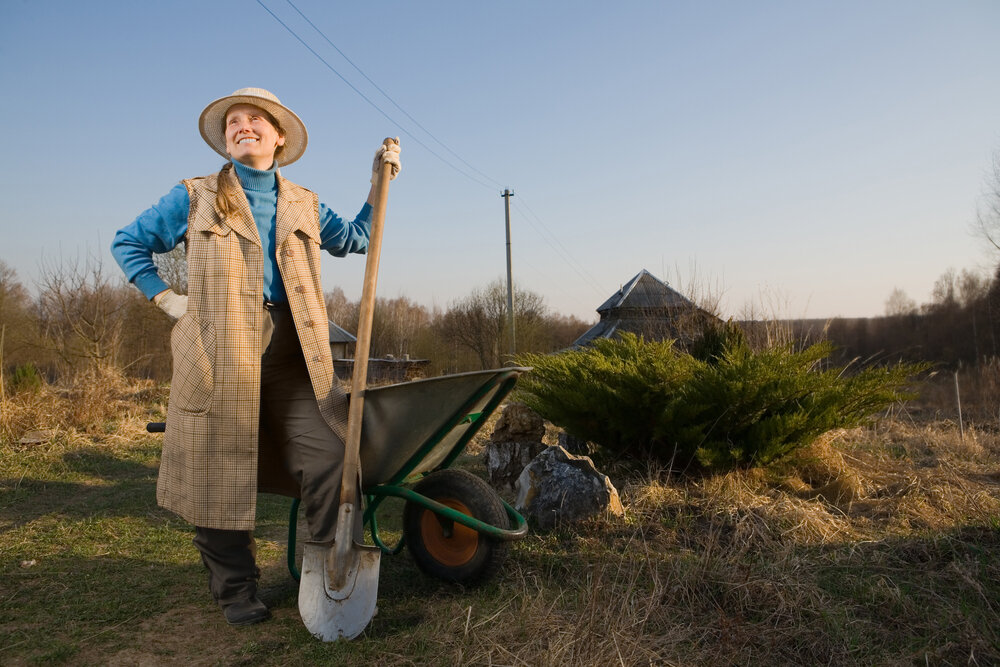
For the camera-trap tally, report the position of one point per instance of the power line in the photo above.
(366, 99)
(387, 96)
(560, 249)
(550, 284)
(546, 235)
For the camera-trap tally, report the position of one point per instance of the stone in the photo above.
(575, 445)
(558, 487)
(37, 437)
(505, 461)
(515, 441)
(518, 423)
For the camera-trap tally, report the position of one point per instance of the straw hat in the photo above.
(213, 119)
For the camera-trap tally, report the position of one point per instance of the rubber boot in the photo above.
(229, 556)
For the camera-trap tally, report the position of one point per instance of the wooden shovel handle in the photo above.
(359, 378)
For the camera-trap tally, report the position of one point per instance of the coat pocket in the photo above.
(192, 343)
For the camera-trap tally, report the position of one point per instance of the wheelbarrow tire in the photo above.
(446, 549)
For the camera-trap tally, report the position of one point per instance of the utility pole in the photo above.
(507, 194)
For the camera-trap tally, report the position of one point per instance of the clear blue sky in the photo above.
(819, 154)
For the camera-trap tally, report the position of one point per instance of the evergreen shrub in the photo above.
(616, 392)
(25, 378)
(718, 407)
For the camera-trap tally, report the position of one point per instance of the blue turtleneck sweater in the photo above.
(160, 228)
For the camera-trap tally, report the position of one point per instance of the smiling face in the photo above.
(251, 137)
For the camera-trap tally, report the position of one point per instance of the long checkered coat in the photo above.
(209, 470)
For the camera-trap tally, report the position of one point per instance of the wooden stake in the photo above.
(3, 387)
(958, 401)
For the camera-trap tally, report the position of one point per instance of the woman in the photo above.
(254, 403)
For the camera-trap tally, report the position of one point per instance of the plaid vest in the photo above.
(210, 471)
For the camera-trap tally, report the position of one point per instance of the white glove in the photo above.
(385, 154)
(172, 303)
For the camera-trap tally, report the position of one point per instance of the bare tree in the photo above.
(13, 296)
(899, 303)
(972, 287)
(479, 321)
(145, 347)
(468, 324)
(82, 312)
(557, 332)
(953, 289)
(16, 323)
(172, 267)
(988, 217)
(396, 323)
(340, 310)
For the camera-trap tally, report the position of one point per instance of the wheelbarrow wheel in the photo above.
(448, 550)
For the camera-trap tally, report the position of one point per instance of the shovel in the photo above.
(339, 584)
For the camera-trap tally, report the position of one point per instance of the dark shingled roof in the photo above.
(338, 335)
(646, 306)
(645, 291)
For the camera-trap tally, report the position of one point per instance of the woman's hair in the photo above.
(225, 191)
(225, 195)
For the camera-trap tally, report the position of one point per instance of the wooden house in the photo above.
(649, 307)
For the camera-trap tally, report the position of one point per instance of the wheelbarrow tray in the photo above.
(415, 427)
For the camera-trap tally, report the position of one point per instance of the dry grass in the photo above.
(978, 393)
(871, 546)
(95, 403)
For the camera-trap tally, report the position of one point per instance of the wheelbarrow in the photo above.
(454, 524)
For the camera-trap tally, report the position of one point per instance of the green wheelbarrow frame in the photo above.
(404, 438)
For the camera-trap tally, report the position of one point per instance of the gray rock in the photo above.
(505, 461)
(575, 445)
(37, 437)
(518, 423)
(515, 441)
(558, 487)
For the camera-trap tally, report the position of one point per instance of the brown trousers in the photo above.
(311, 451)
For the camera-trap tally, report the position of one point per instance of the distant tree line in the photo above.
(960, 326)
(79, 318)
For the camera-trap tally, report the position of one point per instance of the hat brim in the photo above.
(211, 124)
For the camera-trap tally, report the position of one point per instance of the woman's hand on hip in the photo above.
(172, 303)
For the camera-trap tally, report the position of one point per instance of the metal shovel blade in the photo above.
(334, 613)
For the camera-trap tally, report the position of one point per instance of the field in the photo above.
(878, 545)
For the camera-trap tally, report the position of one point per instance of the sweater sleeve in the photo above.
(158, 229)
(340, 237)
